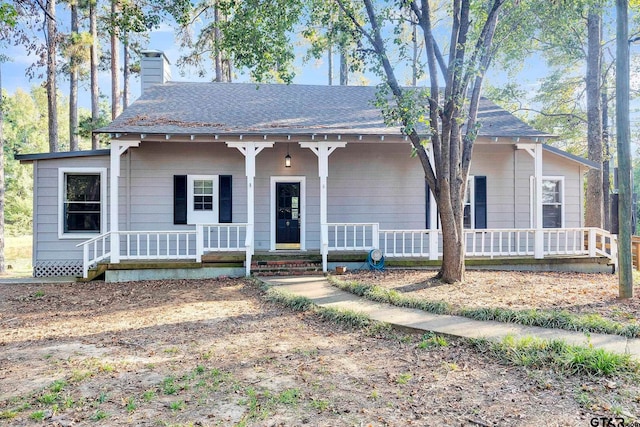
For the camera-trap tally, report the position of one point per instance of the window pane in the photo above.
(550, 191)
(83, 188)
(551, 216)
(82, 222)
(467, 216)
(202, 203)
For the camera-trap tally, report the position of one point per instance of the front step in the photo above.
(286, 267)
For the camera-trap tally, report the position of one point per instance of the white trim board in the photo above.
(272, 209)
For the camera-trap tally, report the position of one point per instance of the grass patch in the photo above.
(99, 415)
(37, 415)
(431, 340)
(17, 252)
(538, 353)
(344, 317)
(295, 302)
(557, 319)
(8, 415)
(178, 405)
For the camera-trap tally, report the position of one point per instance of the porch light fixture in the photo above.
(287, 159)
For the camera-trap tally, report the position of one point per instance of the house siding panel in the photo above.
(49, 246)
(368, 182)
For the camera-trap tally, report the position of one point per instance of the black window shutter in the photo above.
(481, 202)
(428, 204)
(180, 199)
(225, 199)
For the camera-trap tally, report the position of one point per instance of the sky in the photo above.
(314, 72)
(14, 72)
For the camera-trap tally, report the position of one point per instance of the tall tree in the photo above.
(52, 88)
(450, 113)
(594, 211)
(625, 287)
(95, 91)
(73, 78)
(8, 16)
(207, 44)
(115, 60)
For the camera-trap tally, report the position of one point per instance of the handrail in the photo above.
(170, 244)
(99, 252)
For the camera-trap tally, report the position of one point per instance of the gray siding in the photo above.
(49, 247)
(368, 182)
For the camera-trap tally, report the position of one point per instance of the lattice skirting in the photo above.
(57, 268)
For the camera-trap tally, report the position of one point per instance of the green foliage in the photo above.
(571, 359)
(8, 15)
(432, 340)
(25, 116)
(99, 415)
(258, 37)
(37, 415)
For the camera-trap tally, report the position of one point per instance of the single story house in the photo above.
(198, 168)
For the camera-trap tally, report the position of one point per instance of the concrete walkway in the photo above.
(322, 293)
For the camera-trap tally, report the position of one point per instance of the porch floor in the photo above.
(297, 262)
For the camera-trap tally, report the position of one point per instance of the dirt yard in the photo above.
(215, 353)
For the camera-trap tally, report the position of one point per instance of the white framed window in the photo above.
(202, 199)
(82, 194)
(552, 201)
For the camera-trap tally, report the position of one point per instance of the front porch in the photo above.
(342, 243)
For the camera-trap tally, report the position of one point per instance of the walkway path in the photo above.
(322, 293)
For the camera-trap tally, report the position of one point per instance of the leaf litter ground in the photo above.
(215, 352)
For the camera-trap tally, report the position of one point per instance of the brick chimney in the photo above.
(154, 68)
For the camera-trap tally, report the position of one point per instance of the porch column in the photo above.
(323, 150)
(433, 216)
(539, 240)
(250, 149)
(535, 150)
(118, 148)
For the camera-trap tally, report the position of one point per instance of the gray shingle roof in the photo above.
(246, 108)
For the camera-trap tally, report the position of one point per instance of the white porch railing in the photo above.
(478, 243)
(170, 245)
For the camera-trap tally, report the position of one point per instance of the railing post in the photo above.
(199, 242)
(324, 245)
(248, 249)
(592, 242)
(375, 238)
(115, 247)
(433, 244)
(85, 261)
(538, 243)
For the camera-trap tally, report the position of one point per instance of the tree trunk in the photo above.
(606, 173)
(95, 91)
(217, 52)
(594, 212)
(126, 72)
(52, 96)
(623, 143)
(330, 57)
(452, 241)
(344, 65)
(115, 63)
(2, 266)
(73, 85)
(414, 59)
